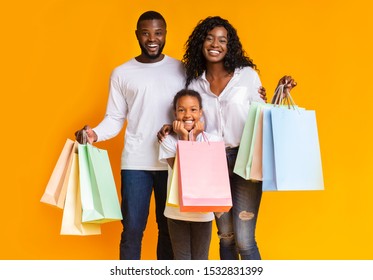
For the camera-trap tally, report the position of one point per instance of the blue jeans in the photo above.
(190, 240)
(137, 188)
(236, 228)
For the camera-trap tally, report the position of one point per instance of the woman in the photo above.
(217, 67)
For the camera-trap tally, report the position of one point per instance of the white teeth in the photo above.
(188, 122)
(152, 46)
(214, 52)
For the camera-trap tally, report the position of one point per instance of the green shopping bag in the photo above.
(245, 152)
(100, 203)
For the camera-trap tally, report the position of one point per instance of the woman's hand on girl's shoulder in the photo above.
(263, 93)
(163, 132)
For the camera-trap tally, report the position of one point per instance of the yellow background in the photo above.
(56, 58)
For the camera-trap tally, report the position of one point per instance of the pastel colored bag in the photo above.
(55, 191)
(99, 197)
(245, 153)
(268, 160)
(256, 173)
(173, 191)
(296, 151)
(203, 177)
(72, 212)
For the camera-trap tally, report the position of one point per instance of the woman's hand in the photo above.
(163, 132)
(263, 93)
(289, 83)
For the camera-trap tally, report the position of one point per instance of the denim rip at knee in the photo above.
(236, 228)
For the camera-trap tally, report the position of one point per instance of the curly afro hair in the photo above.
(195, 62)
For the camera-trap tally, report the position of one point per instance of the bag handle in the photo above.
(190, 136)
(84, 137)
(282, 96)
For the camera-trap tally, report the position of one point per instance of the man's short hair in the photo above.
(149, 15)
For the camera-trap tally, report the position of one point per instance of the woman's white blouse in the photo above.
(225, 115)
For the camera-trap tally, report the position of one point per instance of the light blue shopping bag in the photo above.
(268, 157)
(296, 150)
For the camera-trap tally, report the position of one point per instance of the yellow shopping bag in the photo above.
(72, 213)
(173, 191)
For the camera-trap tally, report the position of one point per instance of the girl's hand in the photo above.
(178, 128)
(199, 127)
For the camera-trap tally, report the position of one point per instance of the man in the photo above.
(141, 93)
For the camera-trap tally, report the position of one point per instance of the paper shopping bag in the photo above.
(100, 203)
(243, 163)
(256, 173)
(173, 191)
(296, 149)
(72, 212)
(268, 157)
(203, 177)
(55, 191)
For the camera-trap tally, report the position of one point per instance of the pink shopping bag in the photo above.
(203, 177)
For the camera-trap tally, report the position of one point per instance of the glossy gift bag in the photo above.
(203, 177)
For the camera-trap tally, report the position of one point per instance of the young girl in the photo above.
(190, 232)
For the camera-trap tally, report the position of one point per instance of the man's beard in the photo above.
(154, 56)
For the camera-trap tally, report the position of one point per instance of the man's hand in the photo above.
(86, 135)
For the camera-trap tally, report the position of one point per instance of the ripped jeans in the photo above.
(236, 228)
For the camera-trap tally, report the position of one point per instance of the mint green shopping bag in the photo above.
(100, 203)
(245, 153)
